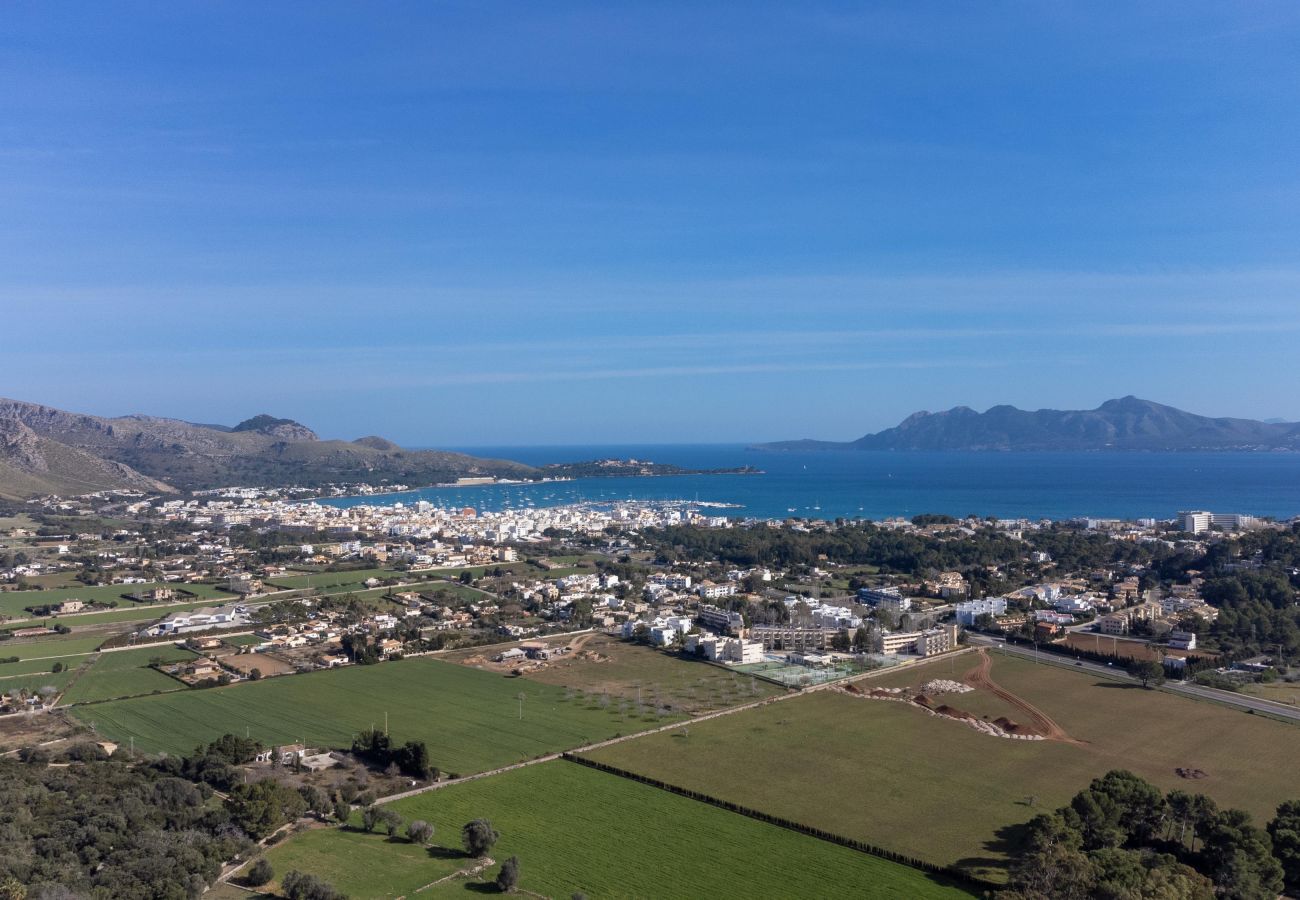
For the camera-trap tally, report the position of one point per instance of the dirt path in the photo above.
(978, 677)
(581, 642)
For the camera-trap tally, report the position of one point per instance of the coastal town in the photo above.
(297, 586)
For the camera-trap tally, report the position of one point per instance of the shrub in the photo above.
(259, 873)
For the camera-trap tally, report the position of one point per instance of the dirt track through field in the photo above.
(978, 677)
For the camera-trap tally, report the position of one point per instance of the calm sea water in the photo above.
(879, 484)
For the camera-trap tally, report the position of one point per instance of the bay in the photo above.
(881, 484)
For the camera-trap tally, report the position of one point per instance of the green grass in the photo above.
(33, 666)
(932, 788)
(332, 581)
(34, 682)
(575, 829)
(628, 670)
(361, 864)
(469, 719)
(60, 645)
(126, 673)
(241, 640)
(13, 603)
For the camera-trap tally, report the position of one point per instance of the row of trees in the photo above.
(1122, 837)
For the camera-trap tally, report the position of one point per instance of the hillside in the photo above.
(47, 450)
(1125, 424)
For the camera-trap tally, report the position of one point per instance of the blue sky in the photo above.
(483, 223)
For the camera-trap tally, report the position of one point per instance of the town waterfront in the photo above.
(878, 485)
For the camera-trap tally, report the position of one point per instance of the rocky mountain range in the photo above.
(44, 450)
(1128, 423)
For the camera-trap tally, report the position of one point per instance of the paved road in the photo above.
(1187, 689)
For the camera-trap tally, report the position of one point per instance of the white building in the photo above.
(721, 620)
(971, 610)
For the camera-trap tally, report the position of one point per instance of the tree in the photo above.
(391, 820)
(1285, 832)
(1147, 672)
(478, 837)
(370, 817)
(420, 832)
(263, 806)
(343, 811)
(315, 798)
(508, 877)
(1239, 857)
(301, 886)
(259, 873)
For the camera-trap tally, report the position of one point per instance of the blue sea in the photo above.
(880, 484)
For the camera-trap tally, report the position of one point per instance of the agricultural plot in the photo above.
(578, 830)
(627, 673)
(14, 603)
(1287, 692)
(470, 720)
(930, 787)
(331, 581)
(36, 666)
(126, 673)
(1126, 649)
(50, 647)
(35, 682)
(241, 640)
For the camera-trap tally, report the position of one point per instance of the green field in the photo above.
(627, 671)
(13, 603)
(332, 581)
(126, 673)
(932, 788)
(34, 682)
(469, 719)
(57, 645)
(241, 640)
(34, 666)
(575, 829)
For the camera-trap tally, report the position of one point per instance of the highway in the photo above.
(1187, 689)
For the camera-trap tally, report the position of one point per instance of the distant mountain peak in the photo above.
(1124, 423)
(47, 450)
(285, 429)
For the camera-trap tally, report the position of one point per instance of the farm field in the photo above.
(602, 664)
(241, 640)
(933, 788)
(1287, 692)
(331, 581)
(361, 864)
(13, 603)
(35, 666)
(130, 613)
(34, 682)
(574, 829)
(1126, 649)
(126, 673)
(54, 646)
(469, 719)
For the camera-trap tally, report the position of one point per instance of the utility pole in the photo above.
(521, 705)
(385, 722)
